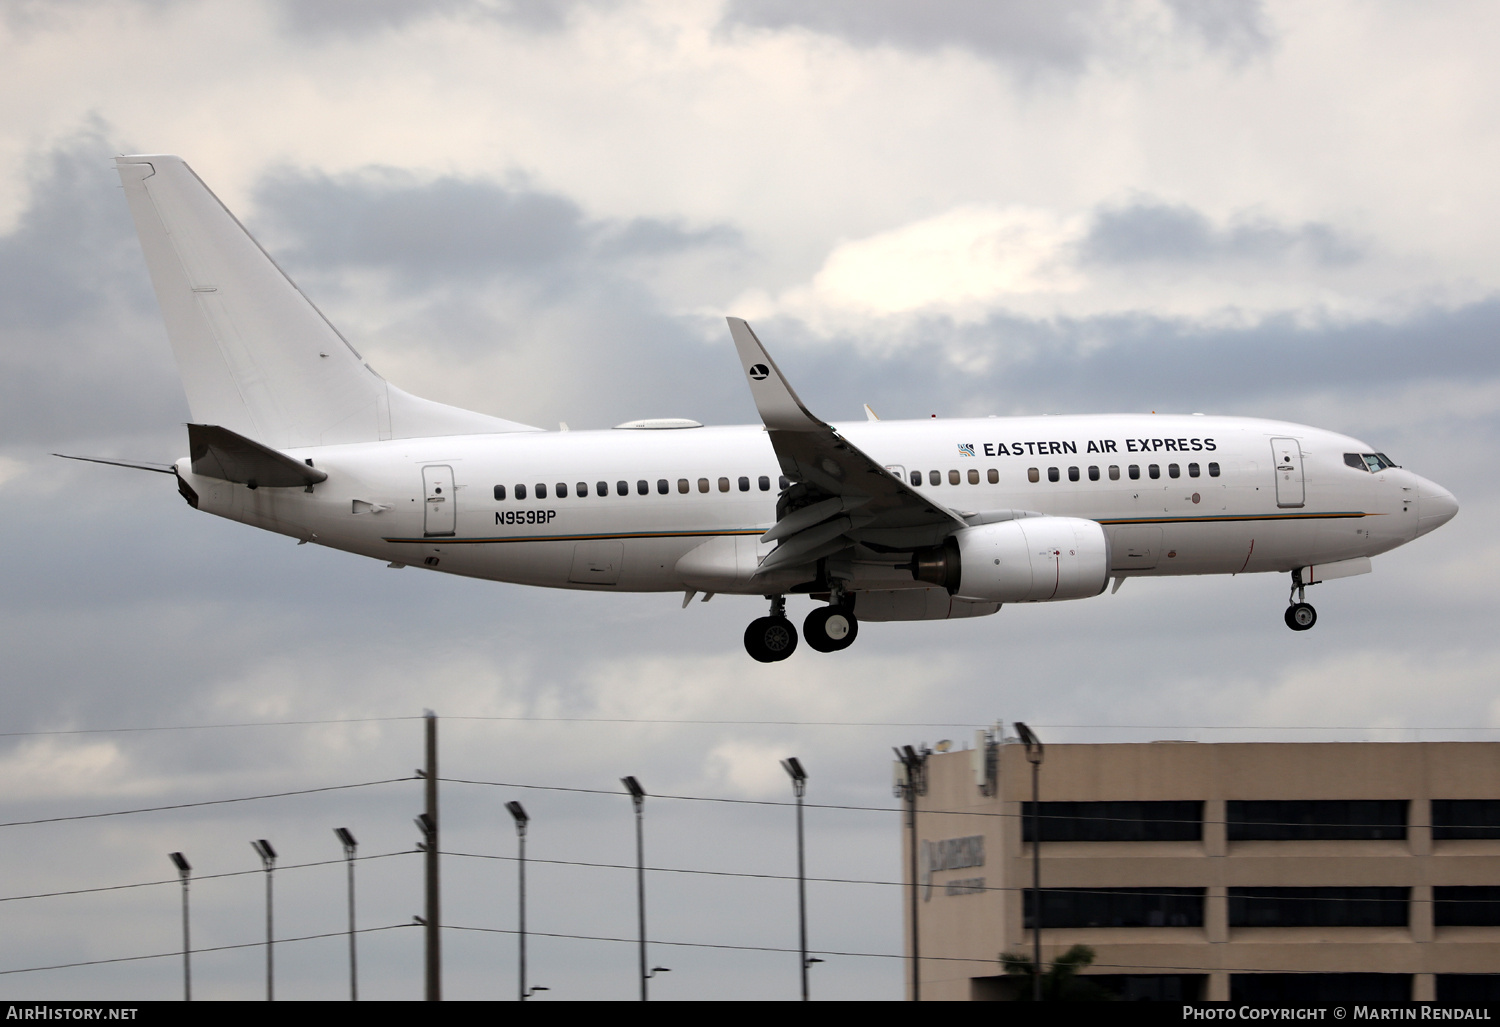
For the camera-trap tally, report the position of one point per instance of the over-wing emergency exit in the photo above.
(875, 520)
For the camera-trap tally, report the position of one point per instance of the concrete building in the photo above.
(1258, 872)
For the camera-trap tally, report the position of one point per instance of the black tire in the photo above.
(1300, 616)
(770, 639)
(829, 629)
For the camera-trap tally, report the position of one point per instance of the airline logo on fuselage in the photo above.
(1130, 445)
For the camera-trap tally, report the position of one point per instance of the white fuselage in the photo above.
(1224, 497)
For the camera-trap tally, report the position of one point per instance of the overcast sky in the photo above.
(544, 210)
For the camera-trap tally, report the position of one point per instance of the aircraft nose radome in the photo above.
(1437, 508)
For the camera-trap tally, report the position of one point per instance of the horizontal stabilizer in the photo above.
(135, 465)
(220, 453)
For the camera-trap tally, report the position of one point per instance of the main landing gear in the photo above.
(828, 629)
(1299, 615)
(771, 639)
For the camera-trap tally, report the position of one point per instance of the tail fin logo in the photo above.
(759, 372)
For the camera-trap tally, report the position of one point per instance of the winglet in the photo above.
(779, 406)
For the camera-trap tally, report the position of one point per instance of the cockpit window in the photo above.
(1355, 461)
(1372, 462)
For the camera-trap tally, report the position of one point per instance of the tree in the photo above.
(1061, 983)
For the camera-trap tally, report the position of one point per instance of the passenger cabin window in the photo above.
(953, 478)
(1192, 470)
(643, 487)
(1114, 472)
(1093, 474)
(1154, 470)
(541, 490)
(662, 486)
(744, 484)
(784, 484)
(765, 483)
(1032, 474)
(562, 490)
(1174, 471)
(499, 492)
(520, 491)
(683, 486)
(916, 477)
(583, 489)
(973, 477)
(1072, 474)
(723, 484)
(1213, 470)
(702, 484)
(1135, 471)
(993, 476)
(622, 488)
(1053, 474)
(934, 477)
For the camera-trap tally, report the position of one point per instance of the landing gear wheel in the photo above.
(1301, 616)
(770, 639)
(829, 629)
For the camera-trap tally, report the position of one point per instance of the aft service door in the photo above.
(440, 512)
(1286, 455)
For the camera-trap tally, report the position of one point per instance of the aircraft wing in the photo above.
(841, 495)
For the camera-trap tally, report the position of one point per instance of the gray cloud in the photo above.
(1030, 37)
(318, 18)
(1149, 230)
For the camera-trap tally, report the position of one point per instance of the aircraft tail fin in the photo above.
(256, 357)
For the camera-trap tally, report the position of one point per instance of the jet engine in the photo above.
(1027, 560)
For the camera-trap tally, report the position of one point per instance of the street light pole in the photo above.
(1034, 753)
(911, 783)
(347, 840)
(518, 812)
(184, 871)
(268, 861)
(793, 767)
(638, 800)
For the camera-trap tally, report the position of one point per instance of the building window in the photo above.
(1465, 818)
(499, 492)
(1316, 820)
(1467, 989)
(1310, 989)
(1117, 907)
(1171, 821)
(1454, 906)
(1318, 907)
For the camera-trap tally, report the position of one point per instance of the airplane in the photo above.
(936, 519)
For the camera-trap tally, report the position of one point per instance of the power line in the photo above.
(197, 877)
(177, 954)
(205, 802)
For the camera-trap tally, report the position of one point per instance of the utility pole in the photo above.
(911, 781)
(1034, 753)
(638, 800)
(184, 871)
(428, 823)
(793, 767)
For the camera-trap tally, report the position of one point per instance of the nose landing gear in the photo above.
(771, 639)
(1299, 615)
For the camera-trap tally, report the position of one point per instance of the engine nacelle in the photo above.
(1027, 560)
